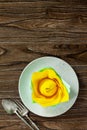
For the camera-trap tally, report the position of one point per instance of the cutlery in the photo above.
(24, 113)
(11, 108)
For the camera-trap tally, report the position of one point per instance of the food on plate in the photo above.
(48, 88)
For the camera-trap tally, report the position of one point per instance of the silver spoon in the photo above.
(11, 108)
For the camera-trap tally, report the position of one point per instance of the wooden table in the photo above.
(30, 29)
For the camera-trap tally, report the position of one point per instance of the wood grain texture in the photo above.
(30, 29)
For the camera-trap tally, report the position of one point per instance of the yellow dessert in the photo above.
(48, 88)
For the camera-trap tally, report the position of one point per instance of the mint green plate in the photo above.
(68, 76)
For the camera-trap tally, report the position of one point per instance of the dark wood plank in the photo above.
(54, 21)
(74, 54)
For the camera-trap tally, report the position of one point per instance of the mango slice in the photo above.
(48, 88)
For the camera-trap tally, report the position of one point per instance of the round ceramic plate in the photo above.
(64, 70)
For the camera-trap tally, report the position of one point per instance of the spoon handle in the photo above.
(32, 123)
(24, 120)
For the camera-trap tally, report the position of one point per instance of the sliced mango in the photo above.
(48, 88)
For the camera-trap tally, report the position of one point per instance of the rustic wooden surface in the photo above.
(33, 28)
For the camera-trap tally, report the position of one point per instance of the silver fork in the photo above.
(23, 111)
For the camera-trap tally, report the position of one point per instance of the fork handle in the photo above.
(32, 123)
(24, 120)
